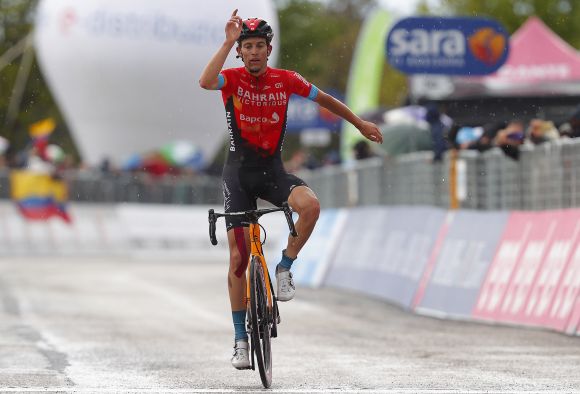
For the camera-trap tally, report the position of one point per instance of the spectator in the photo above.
(484, 139)
(566, 130)
(466, 137)
(331, 158)
(574, 123)
(506, 136)
(433, 117)
(540, 131)
(362, 150)
(510, 138)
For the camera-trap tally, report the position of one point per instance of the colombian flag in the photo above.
(39, 196)
(40, 132)
(42, 129)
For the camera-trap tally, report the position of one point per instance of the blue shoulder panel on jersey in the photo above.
(313, 92)
(221, 81)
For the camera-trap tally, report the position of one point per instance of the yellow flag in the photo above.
(42, 128)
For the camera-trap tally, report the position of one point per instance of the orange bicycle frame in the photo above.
(256, 250)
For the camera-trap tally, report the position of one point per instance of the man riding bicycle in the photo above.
(256, 99)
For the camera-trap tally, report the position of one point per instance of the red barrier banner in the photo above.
(534, 278)
(543, 230)
(499, 275)
(573, 326)
(554, 273)
(564, 314)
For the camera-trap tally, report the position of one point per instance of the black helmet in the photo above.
(255, 27)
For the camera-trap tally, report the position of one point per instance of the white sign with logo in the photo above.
(125, 73)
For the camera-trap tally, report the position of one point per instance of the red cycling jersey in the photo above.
(256, 109)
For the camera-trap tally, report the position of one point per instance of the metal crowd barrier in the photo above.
(546, 176)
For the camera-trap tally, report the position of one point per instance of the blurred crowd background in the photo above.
(317, 39)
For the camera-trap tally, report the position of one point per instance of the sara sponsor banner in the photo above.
(449, 46)
(462, 263)
(383, 251)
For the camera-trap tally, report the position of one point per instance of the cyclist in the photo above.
(256, 98)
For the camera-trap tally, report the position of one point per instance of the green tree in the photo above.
(318, 40)
(560, 15)
(25, 97)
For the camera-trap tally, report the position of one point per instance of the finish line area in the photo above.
(116, 324)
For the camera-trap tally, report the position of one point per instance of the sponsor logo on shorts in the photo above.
(227, 196)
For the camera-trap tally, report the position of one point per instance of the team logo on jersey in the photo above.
(279, 85)
(261, 99)
(301, 78)
(260, 119)
(229, 120)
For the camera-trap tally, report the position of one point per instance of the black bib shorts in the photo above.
(243, 185)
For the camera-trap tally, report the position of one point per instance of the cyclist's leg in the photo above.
(301, 198)
(239, 245)
(238, 241)
(288, 187)
(304, 202)
(237, 199)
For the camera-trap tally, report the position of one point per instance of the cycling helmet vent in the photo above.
(255, 27)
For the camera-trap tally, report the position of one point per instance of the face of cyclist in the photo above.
(254, 52)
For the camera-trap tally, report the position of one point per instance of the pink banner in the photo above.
(573, 326)
(553, 272)
(564, 314)
(534, 278)
(514, 240)
(528, 266)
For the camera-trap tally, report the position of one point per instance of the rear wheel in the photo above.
(261, 322)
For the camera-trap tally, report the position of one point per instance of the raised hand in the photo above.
(233, 27)
(371, 131)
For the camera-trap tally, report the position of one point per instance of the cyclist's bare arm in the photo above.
(209, 76)
(368, 129)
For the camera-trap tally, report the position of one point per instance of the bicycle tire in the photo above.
(261, 322)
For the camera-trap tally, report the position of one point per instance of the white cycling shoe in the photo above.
(285, 285)
(241, 358)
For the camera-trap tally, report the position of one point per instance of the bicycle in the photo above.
(262, 314)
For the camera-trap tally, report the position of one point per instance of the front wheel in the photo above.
(260, 319)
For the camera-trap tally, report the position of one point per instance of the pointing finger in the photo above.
(235, 12)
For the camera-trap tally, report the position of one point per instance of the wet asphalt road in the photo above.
(115, 325)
